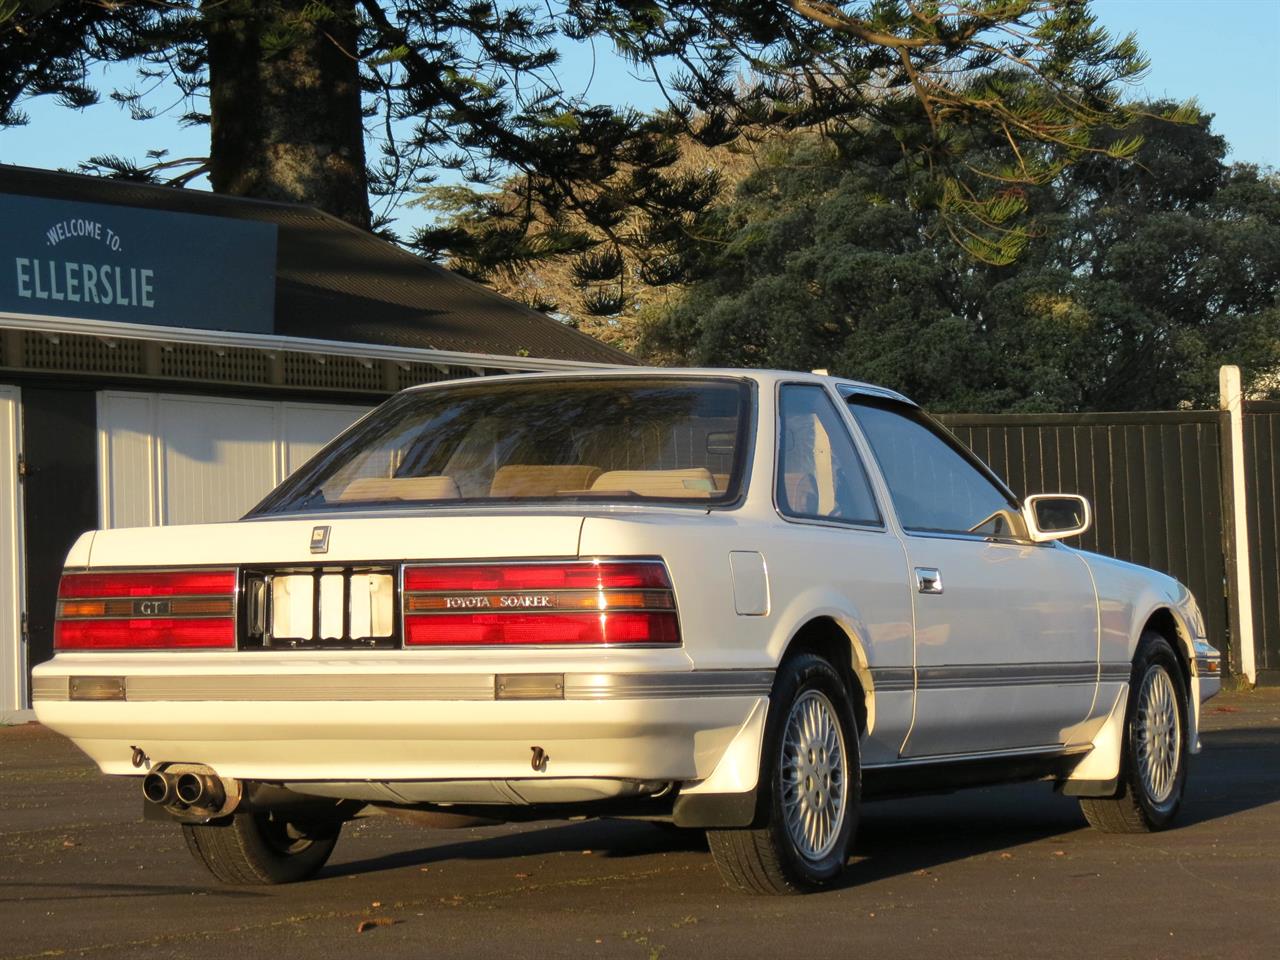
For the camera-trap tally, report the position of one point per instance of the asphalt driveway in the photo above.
(1008, 872)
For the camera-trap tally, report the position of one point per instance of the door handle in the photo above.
(928, 580)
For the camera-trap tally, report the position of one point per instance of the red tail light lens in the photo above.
(146, 610)
(581, 602)
(605, 575)
(177, 583)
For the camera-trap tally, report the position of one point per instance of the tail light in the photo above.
(146, 610)
(579, 602)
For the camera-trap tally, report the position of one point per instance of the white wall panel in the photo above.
(306, 427)
(218, 457)
(128, 494)
(169, 459)
(13, 669)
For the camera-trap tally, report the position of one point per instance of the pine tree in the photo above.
(351, 103)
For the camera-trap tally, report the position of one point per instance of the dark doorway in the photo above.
(60, 438)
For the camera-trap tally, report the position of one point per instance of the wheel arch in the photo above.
(825, 636)
(1164, 621)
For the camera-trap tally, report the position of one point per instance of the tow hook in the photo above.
(139, 759)
(539, 759)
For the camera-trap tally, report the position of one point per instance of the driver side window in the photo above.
(934, 488)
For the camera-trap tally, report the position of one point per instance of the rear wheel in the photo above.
(1153, 766)
(809, 788)
(262, 848)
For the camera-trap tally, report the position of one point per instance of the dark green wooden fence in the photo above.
(1262, 490)
(1154, 479)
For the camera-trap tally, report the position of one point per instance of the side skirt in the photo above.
(945, 774)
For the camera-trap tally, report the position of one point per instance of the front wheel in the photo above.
(809, 788)
(262, 848)
(1153, 765)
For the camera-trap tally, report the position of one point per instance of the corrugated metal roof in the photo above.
(335, 282)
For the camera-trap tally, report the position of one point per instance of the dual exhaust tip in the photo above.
(188, 790)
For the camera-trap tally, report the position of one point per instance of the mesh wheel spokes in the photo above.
(1159, 735)
(814, 775)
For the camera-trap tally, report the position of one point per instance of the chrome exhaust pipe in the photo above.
(158, 789)
(200, 791)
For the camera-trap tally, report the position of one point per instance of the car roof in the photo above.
(765, 377)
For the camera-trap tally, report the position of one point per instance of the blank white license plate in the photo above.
(356, 606)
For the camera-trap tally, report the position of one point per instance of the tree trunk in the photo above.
(284, 95)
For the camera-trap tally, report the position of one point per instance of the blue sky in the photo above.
(1225, 53)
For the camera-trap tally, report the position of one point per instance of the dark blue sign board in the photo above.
(94, 261)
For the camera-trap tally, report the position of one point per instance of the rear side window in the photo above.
(820, 476)
(934, 488)
(602, 439)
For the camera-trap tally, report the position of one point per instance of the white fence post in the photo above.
(1232, 400)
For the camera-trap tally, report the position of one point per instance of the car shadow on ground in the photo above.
(606, 838)
(890, 841)
(898, 837)
(1239, 770)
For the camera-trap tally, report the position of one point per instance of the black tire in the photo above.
(1138, 807)
(262, 848)
(767, 857)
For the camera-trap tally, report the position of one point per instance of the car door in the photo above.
(1006, 630)
(837, 554)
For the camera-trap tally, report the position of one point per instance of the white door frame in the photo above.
(13, 652)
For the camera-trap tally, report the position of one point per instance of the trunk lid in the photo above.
(348, 539)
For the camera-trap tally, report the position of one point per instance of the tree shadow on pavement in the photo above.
(30, 891)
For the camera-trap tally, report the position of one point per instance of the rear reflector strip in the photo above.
(96, 688)
(574, 603)
(146, 610)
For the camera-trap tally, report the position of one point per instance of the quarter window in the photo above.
(934, 488)
(820, 475)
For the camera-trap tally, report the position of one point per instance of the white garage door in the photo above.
(167, 458)
(12, 660)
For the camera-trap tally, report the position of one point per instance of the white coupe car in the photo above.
(734, 600)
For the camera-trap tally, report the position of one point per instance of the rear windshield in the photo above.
(591, 440)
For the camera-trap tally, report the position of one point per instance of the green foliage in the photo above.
(1138, 279)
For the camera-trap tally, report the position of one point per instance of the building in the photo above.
(168, 356)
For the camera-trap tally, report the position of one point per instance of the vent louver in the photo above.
(80, 353)
(191, 362)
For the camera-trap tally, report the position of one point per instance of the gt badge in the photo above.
(319, 539)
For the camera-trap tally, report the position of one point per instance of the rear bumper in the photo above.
(410, 727)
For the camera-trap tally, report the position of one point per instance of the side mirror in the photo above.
(1053, 516)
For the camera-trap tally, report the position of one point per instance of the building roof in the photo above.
(336, 282)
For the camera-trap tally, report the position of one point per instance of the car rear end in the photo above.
(386, 629)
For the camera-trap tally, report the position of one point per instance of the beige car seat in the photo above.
(692, 482)
(400, 488)
(531, 480)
